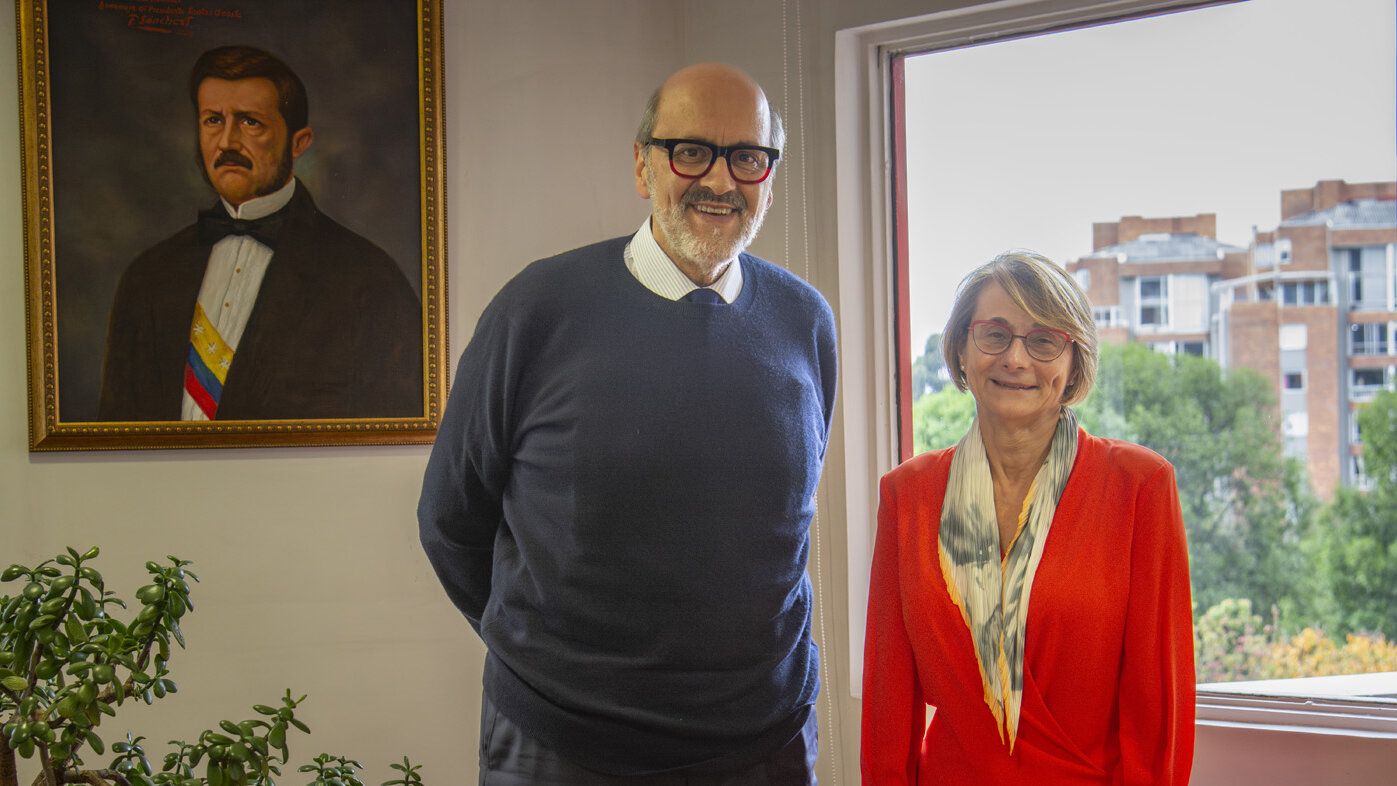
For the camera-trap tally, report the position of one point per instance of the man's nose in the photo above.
(231, 134)
(719, 179)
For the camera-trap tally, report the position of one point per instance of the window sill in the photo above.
(1360, 705)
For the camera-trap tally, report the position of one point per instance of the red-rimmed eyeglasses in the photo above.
(1042, 344)
(692, 158)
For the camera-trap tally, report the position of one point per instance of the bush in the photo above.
(1230, 643)
(66, 661)
(1310, 654)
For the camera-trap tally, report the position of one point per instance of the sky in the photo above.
(1027, 143)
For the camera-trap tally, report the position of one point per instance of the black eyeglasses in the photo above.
(693, 158)
(1042, 344)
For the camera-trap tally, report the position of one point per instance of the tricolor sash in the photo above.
(207, 365)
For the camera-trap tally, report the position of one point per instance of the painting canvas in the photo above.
(340, 336)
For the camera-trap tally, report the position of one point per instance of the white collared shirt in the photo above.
(652, 267)
(233, 277)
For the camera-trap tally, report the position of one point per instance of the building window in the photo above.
(1355, 277)
(1083, 276)
(1366, 382)
(1152, 295)
(1305, 293)
(1369, 338)
(1295, 380)
(1360, 478)
(1294, 336)
(1194, 348)
(1107, 316)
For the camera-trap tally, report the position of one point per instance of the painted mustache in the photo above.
(733, 199)
(232, 157)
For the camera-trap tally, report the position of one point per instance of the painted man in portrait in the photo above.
(265, 308)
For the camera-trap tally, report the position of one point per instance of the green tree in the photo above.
(929, 370)
(1357, 546)
(940, 419)
(1245, 506)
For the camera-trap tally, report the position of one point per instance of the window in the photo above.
(1360, 478)
(957, 155)
(1294, 336)
(1152, 295)
(1355, 277)
(1372, 284)
(1369, 338)
(1367, 381)
(1108, 316)
(1305, 293)
(873, 232)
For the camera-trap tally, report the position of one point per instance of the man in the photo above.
(621, 490)
(265, 308)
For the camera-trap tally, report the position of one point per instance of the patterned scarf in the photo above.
(992, 594)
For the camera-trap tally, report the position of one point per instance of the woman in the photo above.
(1030, 583)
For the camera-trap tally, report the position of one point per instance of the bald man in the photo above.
(621, 491)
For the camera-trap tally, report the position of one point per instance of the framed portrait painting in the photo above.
(233, 219)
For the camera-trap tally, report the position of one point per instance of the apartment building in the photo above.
(1311, 304)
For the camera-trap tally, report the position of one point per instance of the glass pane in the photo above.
(1032, 143)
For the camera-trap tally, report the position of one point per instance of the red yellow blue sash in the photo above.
(207, 365)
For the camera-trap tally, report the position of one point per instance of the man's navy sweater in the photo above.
(619, 502)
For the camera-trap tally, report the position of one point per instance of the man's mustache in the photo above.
(733, 199)
(232, 157)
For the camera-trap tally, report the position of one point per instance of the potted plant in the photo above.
(66, 661)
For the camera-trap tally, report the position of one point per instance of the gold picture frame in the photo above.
(112, 170)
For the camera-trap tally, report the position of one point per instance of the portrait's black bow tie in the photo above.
(215, 224)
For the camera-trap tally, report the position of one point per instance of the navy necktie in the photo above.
(704, 295)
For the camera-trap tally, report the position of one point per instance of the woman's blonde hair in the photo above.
(1046, 293)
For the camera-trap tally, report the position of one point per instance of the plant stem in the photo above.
(9, 775)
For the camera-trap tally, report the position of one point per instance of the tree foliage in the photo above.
(1356, 547)
(940, 419)
(1230, 642)
(1245, 506)
(929, 370)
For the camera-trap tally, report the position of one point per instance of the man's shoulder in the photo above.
(600, 252)
(178, 250)
(569, 268)
(307, 220)
(790, 288)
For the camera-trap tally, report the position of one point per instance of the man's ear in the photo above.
(641, 187)
(300, 141)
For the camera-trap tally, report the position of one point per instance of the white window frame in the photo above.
(1387, 345)
(868, 421)
(1163, 302)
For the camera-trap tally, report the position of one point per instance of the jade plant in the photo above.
(66, 661)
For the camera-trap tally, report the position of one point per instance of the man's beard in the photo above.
(707, 250)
